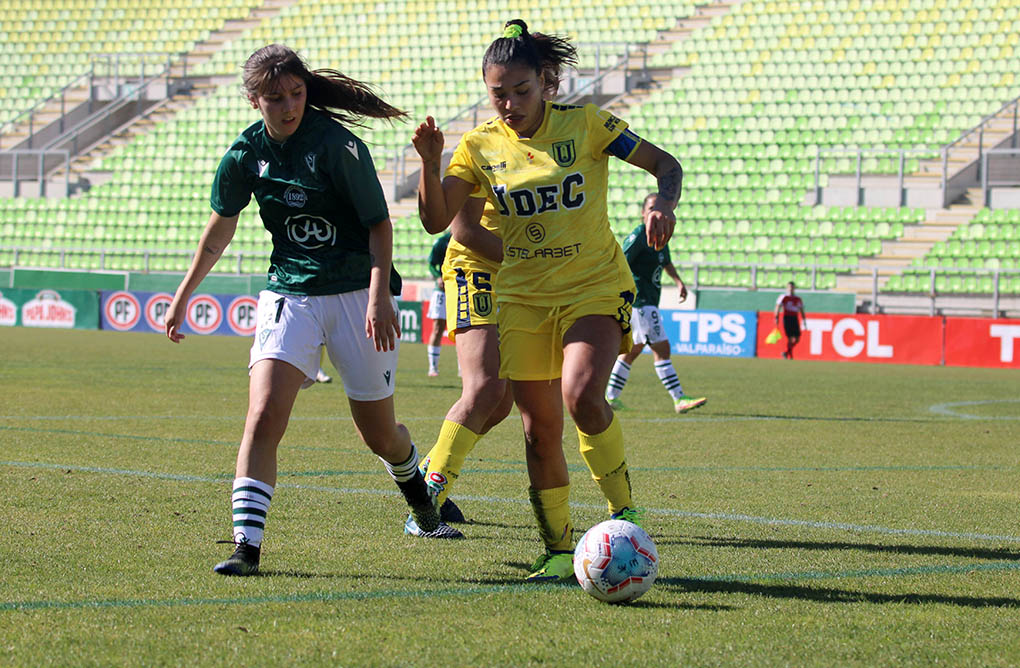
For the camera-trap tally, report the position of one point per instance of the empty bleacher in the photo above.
(746, 101)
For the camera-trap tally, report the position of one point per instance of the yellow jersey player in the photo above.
(564, 289)
(485, 399)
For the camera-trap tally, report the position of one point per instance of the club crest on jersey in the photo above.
(310, 161)
(563, 153)
(483, 303)
(310, 232)
(295, 197)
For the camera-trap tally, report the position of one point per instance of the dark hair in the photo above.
(331, 92)
(546, 54)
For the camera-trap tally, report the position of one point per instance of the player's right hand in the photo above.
(428, 140)
(174, 318)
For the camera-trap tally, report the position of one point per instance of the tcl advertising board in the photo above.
(889, 339)
(983, 342)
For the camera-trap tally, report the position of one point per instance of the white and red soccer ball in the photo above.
(616, 561)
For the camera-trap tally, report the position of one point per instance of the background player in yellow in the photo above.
(472, 261)
(564, 289)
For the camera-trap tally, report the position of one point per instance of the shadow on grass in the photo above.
(1000, 554)
(830, 595)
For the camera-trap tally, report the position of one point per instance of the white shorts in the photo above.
(292, 328)
(437, 306)
(646, 325)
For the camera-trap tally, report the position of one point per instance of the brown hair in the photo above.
(329, 91)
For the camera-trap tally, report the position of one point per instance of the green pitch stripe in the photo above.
(327, 596)
(668, 512)
(311, 597)
(164, 439)
(863, 573)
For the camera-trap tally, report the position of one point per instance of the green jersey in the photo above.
(438, 255)
(318, 196)
(646, 265)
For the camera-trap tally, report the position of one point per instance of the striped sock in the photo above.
(433, 357)
(409, 478)
(621, 372)
(251, 503)
(667, 374)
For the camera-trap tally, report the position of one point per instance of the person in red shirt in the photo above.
(792, 308)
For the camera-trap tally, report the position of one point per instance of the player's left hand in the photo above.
(659, 225)
(683, 292)
(382, 324)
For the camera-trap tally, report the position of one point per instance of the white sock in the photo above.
(621, 372)
(406, 469)
(667, 374)
(251, 503)
(433, 357)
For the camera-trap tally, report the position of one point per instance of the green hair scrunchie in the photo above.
(513, 30)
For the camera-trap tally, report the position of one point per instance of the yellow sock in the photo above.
(553, 514)
(447, 456)
(603, 453)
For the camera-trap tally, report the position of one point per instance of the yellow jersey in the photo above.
(457, 250)
(549, 193)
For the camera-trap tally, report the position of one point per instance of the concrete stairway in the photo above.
(916, 242)
(83, 167)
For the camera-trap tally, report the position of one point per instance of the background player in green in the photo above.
(331, 281)
(437, 305)
(647, 265)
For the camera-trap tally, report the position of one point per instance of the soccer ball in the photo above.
(616, 561)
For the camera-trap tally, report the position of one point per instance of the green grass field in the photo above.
(809, 514)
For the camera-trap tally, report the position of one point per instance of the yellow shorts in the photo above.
(531, 337)
(470, 300)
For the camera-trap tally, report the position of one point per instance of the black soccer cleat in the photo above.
(450, 513)
(244, 561)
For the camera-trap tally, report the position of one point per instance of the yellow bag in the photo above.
(773, 336)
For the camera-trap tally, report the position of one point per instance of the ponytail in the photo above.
(329, 91)
(545, 54)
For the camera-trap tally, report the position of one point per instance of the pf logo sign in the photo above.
(122, 311)
(156, 307)
(205, 315)
(241, 316)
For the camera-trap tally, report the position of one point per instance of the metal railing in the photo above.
(806, 275)
(934, 273)
(943, 153)
(991, 175)
(573, 92)
(109, 69)
(15, 159)
(107, 258)
(1014, 106)
(859, 155)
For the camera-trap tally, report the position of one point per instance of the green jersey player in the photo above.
(330, 283)
(647, 265)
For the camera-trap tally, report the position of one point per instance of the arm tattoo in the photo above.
(211, 250)
(434, 169)
(669, 183)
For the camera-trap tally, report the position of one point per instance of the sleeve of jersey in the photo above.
(609, 134)
(462, 166)
(354, 172)
(231, 192)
